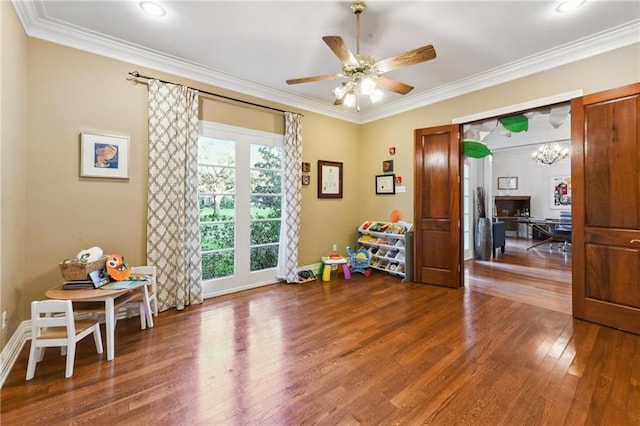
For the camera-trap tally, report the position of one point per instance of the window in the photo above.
(240, 196)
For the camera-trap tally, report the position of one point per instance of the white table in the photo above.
(112, 300)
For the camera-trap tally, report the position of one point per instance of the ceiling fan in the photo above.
(362, 72)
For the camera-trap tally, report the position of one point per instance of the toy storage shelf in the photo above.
(390, 246)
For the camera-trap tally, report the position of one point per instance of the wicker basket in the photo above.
(73, 270)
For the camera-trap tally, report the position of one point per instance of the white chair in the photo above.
(53, 325)
(138, 301)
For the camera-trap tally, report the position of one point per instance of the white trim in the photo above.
(313, 267)
(37, 24)
(536, 103)
(12, 350)
(22, 335)
(605, 41)
(243, 139)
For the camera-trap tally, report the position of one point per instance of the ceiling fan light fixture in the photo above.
(364, 74)
(376, 96)
(367, 86)
(350, 100)
(339, 91)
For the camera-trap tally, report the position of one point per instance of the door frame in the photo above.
(506, 110)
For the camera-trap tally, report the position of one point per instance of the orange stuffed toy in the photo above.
(117, 267)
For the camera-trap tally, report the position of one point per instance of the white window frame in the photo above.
(243, 278)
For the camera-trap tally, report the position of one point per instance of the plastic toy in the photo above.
(360, 261)
(328, 262)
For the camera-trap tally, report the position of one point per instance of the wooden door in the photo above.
(605, 170)
(437, 208)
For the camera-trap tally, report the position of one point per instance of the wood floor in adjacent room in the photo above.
(368, 351)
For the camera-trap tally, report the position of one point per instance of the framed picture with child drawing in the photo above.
(104, 156)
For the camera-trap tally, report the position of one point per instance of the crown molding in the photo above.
(615, 38)
(532, 104)
(37, 24)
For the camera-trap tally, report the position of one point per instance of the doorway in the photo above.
(539, 275)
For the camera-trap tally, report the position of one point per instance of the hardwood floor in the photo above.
(372, 350)
(540, 276)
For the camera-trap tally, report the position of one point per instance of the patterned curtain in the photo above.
(290, 228)
(173, 232)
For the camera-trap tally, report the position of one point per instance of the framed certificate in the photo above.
(329, 179)
(385, 184)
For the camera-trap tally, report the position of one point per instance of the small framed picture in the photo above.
(306, 179)
(306, 167)
(508, 182)
(385, 184)
(105, 156)
(387, 166)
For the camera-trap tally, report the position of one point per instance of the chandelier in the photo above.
(549, 154)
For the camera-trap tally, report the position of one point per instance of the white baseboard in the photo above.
(12, 350)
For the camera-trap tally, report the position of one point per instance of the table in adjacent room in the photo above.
(543, 227)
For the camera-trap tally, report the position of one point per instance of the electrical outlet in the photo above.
(5, 319)
(335, 247)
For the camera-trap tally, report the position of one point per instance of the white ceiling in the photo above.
(545, 124)
(254, 46)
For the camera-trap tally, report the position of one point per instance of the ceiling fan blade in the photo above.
(314, 78)
(393, 85)
(415, 56)
(338, 46)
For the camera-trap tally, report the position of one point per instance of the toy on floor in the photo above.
(360, 261)
(328, 261)
(306, 276)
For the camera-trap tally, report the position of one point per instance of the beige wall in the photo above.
(54, 213)
(605, 71)
(13, 167)
(71, 91)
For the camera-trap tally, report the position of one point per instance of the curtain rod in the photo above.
(136, 74)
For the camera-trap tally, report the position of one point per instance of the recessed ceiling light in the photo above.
(153, 9)
(569, 5)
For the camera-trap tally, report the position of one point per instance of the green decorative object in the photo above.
(515, 123)
(475, 149)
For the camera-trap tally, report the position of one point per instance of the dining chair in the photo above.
(53, 325)
(138, 301)
(562, 232)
